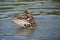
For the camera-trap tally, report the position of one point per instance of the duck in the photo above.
(25, 21)
(30, 18)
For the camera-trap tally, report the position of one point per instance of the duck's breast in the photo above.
(20, 22)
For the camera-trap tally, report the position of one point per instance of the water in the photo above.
(48, 26)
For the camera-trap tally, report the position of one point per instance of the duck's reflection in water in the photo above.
(26, 32)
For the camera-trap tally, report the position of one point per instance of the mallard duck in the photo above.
(27, 21)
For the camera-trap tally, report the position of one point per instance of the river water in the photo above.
(47, 28)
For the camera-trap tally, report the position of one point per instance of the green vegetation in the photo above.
(5, 8)
(16, 0)
(53, 13)
(26, 0)
(1, 0)
(56, 0)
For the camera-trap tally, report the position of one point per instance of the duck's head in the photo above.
(27, 11)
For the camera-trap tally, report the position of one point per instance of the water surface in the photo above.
(47, 28)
